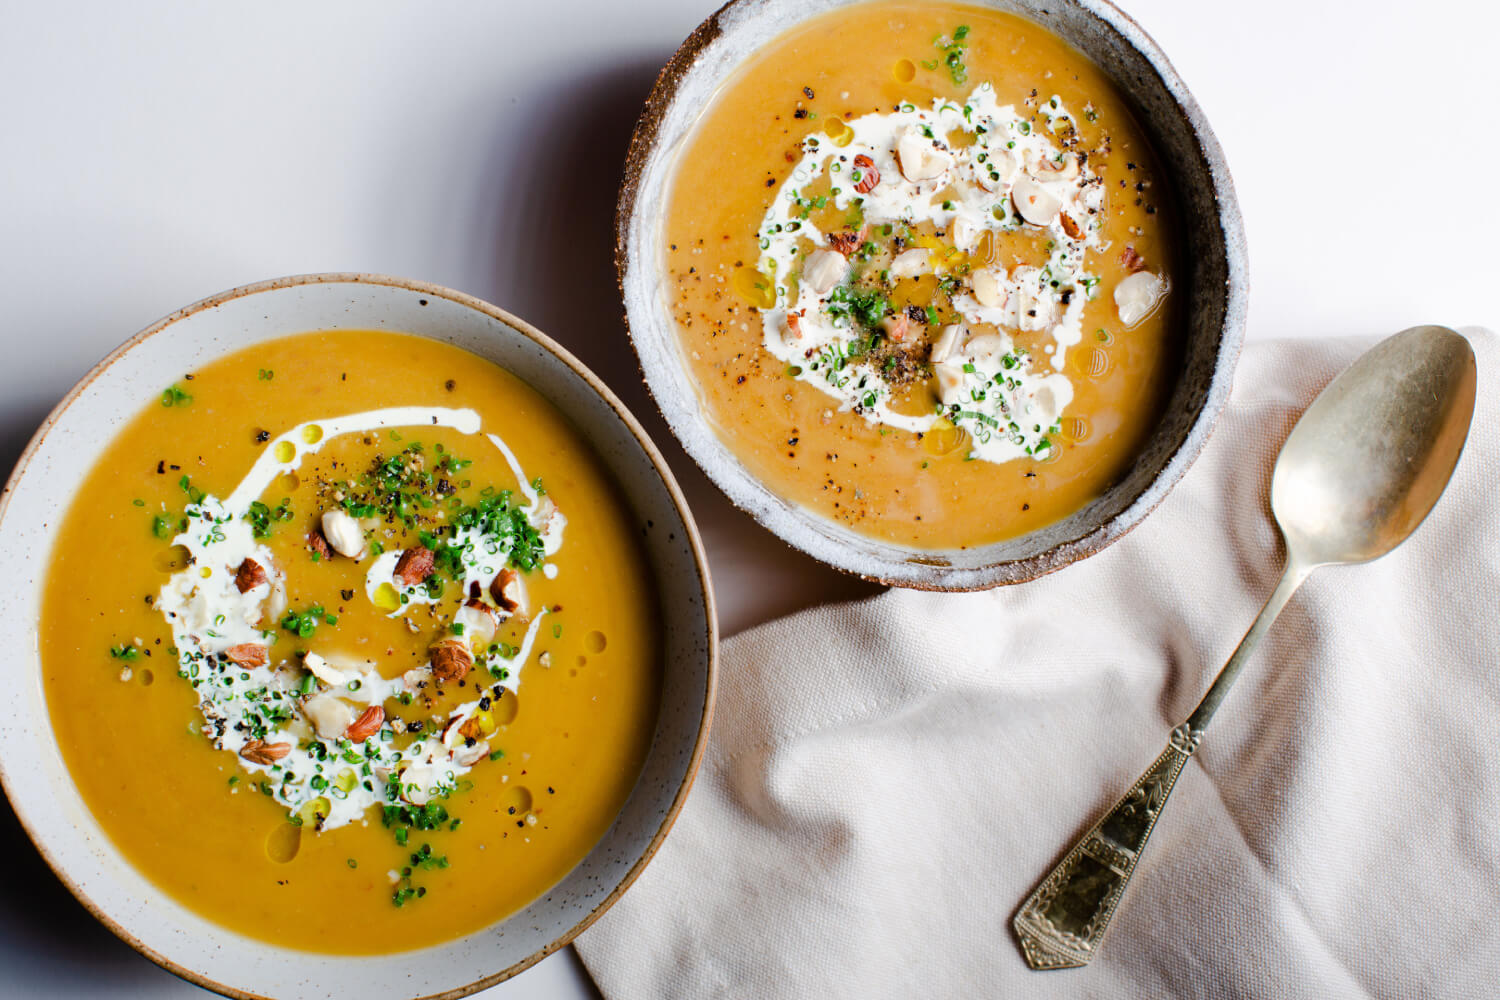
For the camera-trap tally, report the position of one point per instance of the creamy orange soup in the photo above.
(348, 644)
(921, 261)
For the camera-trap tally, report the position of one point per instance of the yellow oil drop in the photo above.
(147, 677)
(905, 71)
(314, 812)
(754, 287)
(312, 433)
(1075, 428)
(516, 801)
(917, 291)
(283, 843)
(944, 438)
(386, 597)
(290, 481)
(839, 132)
(504, 708)
(346, 781)
(984, 250)
(285, 451)
(1096, 363)
(595, 642)
(172, 559)
(486, 720)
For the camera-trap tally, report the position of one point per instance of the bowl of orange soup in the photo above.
(362, 644)
(945, 294)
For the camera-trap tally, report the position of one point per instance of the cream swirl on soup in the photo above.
(907, 288)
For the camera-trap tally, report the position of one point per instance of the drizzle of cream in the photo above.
(268, 466)
(1006, 404)
(207, 615)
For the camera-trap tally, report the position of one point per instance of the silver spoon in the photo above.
(1356, 476)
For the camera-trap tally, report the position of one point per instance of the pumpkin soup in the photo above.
(346, 643)
(920, 264)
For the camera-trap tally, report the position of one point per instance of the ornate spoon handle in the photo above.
(1063, 920)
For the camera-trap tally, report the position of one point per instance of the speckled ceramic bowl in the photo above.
(32, 768)
(1214, 284)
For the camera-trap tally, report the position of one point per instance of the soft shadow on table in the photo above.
(553, 232)
(68, 951)
(16, 428)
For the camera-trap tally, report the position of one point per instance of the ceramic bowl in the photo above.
(1213, 283)
(31, 765)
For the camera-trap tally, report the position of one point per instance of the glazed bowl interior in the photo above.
(73, 439)
(1212, 283)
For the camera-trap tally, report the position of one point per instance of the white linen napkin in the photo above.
(888, 779)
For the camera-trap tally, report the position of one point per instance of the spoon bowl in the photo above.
(1372, 454)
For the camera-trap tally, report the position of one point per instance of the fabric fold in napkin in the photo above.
(888, 780)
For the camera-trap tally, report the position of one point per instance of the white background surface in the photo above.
(152, 154)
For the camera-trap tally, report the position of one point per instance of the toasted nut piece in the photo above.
(274, 605)
(910, 263)
(415, 565)
(329, 714)
(323, 670)
(367, 725)
(1034, 203)
(1070, 227)
(986, 288)
(250, 575)
(1137, 295)
(468, 756)
(946, 343)
(895, 327)
(824, 269)
(261, 752)
(470, 730)
(479, 621)
(949, 375)
(920, 160)
(845, 242)
(451, 659)
(793, 326)
(246, 654)
(450, 730)
(344, 533)
(318, 544)
(997, 170)
(1048, 169)
(964, 234)
(509, 591)
(868, 175)
(1132, 260)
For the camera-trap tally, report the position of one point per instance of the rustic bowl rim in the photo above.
(794, 526)
(648, 449)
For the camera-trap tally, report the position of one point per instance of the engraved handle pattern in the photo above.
(1062, 922)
